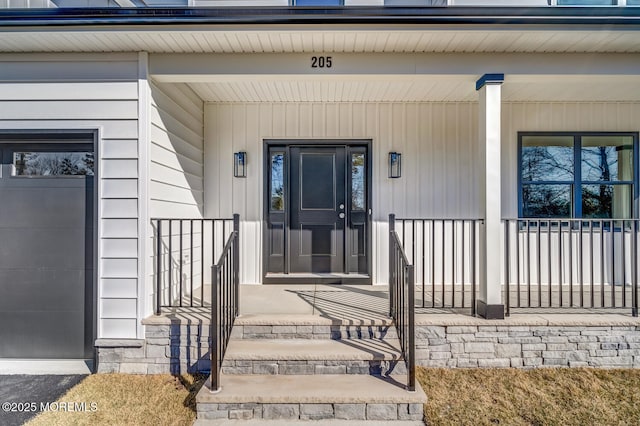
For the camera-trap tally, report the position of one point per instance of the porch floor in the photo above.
(369, 304)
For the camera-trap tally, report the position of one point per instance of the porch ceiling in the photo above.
(456, 88)
(331, 39)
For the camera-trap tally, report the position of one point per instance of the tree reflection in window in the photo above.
(600, 186)
(277, 181)
(53, 163)
(358, 181)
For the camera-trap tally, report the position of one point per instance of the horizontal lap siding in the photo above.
(176, 173)
(437, 142)
(69, 92)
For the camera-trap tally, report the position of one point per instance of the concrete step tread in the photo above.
(310, 389)
(316, 350)
(307, 319)
(326, 422)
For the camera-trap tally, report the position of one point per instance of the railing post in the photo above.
(634, 270)
(411, 350)
(507, 274)
(159, 266)
(392, 271)
(213, 332)
(236, 262)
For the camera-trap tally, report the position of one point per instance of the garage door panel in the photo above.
(56, 207)
(59, 248)
(42, 334)
(42, 290)
(47, 233)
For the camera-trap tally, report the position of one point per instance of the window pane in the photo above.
(53, 163)
(318, 2)
(607, 158)
(358, 181)
(547, 158)
(606, 201)
(546, 200)
(633, 2)
(277, 181)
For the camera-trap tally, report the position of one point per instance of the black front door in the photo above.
(317, 212)
(316, 238)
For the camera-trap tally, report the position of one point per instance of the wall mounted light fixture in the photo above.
(395, 164)
(240, 164)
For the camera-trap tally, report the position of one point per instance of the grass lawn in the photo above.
(125, 399)
(546, 396)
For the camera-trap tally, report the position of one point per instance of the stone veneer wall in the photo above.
(590, 340)
(523, 341)
(167, 348)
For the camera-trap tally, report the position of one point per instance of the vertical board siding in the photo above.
(425, 134)
(558, 117)
(92, 93)
(549, 117)
(438, 141)
(176, 188)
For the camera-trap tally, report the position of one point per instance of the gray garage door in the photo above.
(46, 250)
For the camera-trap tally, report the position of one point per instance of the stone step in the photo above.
(306, 356)
(311, 327)
(262, 422)
(303, 397)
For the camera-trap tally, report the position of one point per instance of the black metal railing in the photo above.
(444, 253)
(225, 303)
(571, 263)
(184, 249)
(402, 301)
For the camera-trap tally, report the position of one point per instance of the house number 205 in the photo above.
(321, 62)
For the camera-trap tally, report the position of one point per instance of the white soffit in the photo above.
(416, 89)
(301, 40)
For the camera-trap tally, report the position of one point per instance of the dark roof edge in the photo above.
(598, 16)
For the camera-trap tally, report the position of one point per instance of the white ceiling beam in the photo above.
(209, 67)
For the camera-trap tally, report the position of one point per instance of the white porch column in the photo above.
(489, 304)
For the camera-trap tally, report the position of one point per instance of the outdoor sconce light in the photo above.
(395, 164)
(240, 164)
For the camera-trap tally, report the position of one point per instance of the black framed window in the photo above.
(317, 2)
(585, 175)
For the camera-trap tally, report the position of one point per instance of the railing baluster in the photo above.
(602, 257)
(191, 263)
(579, 262)
(506, 267)
(613, 264)
(462, 262)
(549, 280)
(170, 262)
(443, 263)
(518, 262)
(202, 222)
(159, 267)
(591, 263)
(433, 263)
(181, 262)
(634, 269)
(539, 262)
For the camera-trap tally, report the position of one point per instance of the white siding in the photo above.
(93, 92)
(438, 142)
(176, 175)
(439, 176)
(556, 116)
(176, 135)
